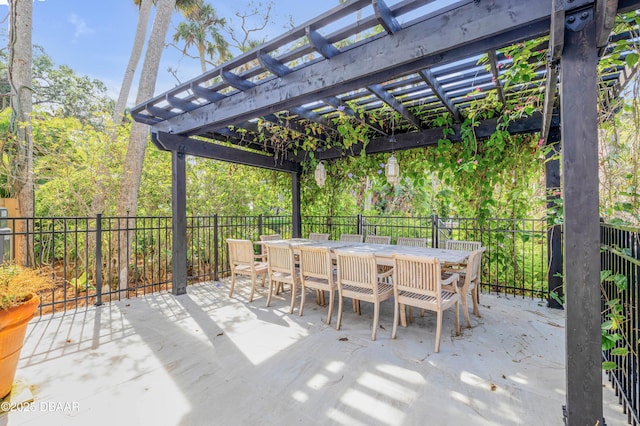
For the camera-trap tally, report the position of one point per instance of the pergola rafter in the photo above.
(425, 62)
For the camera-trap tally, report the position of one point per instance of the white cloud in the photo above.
(81, 26)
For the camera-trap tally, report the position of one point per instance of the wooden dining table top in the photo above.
(383, 252)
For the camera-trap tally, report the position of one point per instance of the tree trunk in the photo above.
(132, 171)
(136, 52)
(20, 58)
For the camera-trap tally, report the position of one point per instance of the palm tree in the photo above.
(21, 101)
(132, 168)
(136, 52)
(202, 31)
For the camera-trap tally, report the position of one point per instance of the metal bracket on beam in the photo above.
(576, 21)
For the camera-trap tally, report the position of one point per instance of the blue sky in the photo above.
(94, 37)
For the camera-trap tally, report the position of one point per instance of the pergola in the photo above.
(420, 59)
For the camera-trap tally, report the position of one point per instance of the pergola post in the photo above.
(581, 220)
(554, 231)
(179, 226)
(296, 219)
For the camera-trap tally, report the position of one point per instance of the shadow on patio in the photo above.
(203, 358)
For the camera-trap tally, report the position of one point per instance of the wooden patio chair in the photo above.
(282, 270)
(417, 282)
(316, 271)
(468, 282)
(358, 279)
(318, 237)
(462, 245)
(242, 261)
(351, 238)
(377, 239)
(412, 242)
(271, 237)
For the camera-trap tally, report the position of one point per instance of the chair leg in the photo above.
(339, 311)
(293, 297)
(396, 314)
(302, 292)
(465, 311)
(233, 283)
(253, 287)
(438, 330)
(331, 297)
(270, 291)
(403, 314)
(458, 319)
(476, 301)
(376, 318)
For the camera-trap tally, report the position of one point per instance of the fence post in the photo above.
(215, 247)
(259, 224)
(359, 225)
(434, 231)
(99, 259)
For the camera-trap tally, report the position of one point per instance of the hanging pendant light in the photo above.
(392, 170)
(320, 174)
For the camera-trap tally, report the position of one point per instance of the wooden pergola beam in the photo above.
(430, 137)
(436, 88)
(493, 64)
(390, 100)
(425, 44)
(198, 148)
(581, 229)
(556, 44)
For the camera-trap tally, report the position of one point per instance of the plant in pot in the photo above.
(19, 300)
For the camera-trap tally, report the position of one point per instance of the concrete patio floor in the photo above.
(205, 359)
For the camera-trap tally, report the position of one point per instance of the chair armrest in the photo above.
(385, 274)
(260, 257)
(450, 280)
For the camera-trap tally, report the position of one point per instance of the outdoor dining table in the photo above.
(383, 252)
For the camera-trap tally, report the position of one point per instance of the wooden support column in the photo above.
(179, 210)
(554, 230)
(581, 220)
(296, 220)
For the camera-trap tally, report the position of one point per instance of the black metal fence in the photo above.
(91, 266)
(620, 265)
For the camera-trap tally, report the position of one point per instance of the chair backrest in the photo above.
(474, 263)
(357, 270)
(463, 245)
(377, 239)
(315, 262)
(240, 252)
(417, 274)
(318, 237)
(412, 242)
(351, 238)
(280, 258)
(272, 237)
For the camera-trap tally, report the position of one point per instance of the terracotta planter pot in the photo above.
(13, 327)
